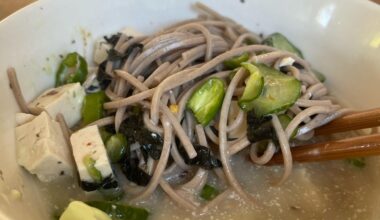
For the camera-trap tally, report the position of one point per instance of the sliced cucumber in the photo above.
(254, 85)
(279, 93)
(236, 61)
(279, 41)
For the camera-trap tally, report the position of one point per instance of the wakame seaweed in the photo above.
(260, 128)
(151, 142)
(113, 39)
(103, 78)
(114, 55)
(107, 183)
(134, 130)
(131, 169)
(204, 158)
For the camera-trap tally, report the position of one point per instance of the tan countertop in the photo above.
(7, 7)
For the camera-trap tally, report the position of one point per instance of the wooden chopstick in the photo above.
(361, 146)
(368, 145)
(354, 121)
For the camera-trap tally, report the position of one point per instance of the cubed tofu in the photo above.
(87, 141)
(66, 99)
(22, 118)
(101, 49)
(42, 149)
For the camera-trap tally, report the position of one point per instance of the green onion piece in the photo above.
(92, 108)
(236, 61)
(279, 41)
(357, 162)
(73, 68)
(116, 147)
(209, 192)
(285, 120)
(207, 100)
(254, 85)
(95, 174)
(119, 211)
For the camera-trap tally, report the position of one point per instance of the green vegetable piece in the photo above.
(254, 85)
(95, 174)
(81, 211)
(285, 120)
(119, 211)
(104, 134)
(357, 162)
(73, 68)
(92, 108)
(236, 61)
(279, 93)
(209, 192)
(207, 99)
(116, 147)
(320, 76)
(279, 41)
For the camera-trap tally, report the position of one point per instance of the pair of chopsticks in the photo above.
(361, 146)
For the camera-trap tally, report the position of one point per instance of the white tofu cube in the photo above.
(42, 149)
(101, 49)
(87, 141)
(66, 99)
(22, 118)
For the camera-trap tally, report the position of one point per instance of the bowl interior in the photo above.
(339, 38)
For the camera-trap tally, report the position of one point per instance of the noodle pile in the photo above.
(166, 71)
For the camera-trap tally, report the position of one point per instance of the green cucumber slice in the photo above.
(279, 93)
(279, 41)
(254, 85)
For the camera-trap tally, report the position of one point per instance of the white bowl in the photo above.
(340, 38)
